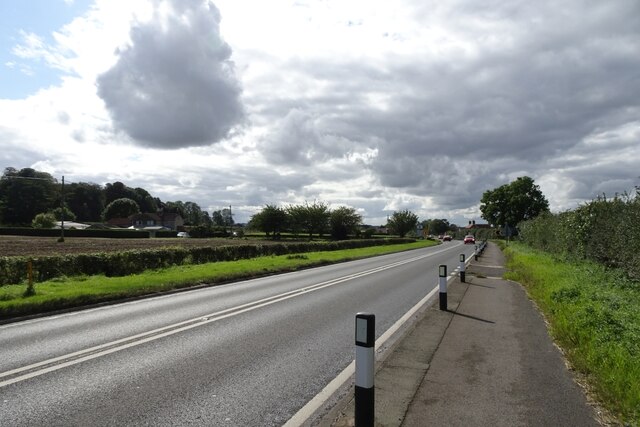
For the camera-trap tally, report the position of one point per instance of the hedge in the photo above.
(113, 233)
(13, 269)
(606, 231)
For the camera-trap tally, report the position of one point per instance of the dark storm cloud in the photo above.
(175, 85)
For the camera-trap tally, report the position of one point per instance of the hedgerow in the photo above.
(606, 231)
(13, 270)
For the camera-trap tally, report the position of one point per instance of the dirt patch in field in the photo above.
(42, 246)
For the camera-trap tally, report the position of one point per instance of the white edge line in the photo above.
(319, 399)
(314, 404)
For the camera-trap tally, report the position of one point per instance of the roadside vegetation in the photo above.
(593, 315)
(66, 292)
(583, 270)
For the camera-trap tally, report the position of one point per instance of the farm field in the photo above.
(43, 246)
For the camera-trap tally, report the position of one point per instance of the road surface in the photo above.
(244, 354)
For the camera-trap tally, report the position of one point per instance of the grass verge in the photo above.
(594, 315)
(78, 291)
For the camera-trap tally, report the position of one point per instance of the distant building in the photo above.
(150, 221)
(71, 224)
(472, 225)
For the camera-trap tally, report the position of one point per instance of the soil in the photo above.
(43, 246)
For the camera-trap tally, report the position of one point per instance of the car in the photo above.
(446, 238)
(183, 234)
(469, 239)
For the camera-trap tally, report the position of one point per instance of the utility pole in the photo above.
(61, 239)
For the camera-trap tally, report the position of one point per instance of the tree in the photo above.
(144, 200)
(217, 219)
(43, 220)
(26, 193)
(437, 226)
(175, 207)
(68, 214)
(512, 203)
(314, 218)
(271, 220)
(227, 216)
(193, 214)
(344, 221)
(117, 190)
(120, 208)
(402, 222)
(86, 201)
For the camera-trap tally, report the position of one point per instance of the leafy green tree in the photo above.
(271, 220)
(206, 219)
(68, 214)
(297, 218)
(344, 221)
(227, 217)
(25, 193)
(311, 218)
(512, 203)
(437, 226)
(193, 214)
(86, 201)
(402, 222)
(217, 219)
(120, 208)
(117, 190)
(145, 201)
(175, 207)
(43, 220)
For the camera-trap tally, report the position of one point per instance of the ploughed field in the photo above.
(43, 246)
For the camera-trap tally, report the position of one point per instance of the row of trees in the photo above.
(26, 193)
(318, 219)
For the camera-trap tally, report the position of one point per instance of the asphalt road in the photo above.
(248, 354)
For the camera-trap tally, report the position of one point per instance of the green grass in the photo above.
(594, 315)
(77, 291)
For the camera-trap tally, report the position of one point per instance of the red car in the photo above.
(469, 239)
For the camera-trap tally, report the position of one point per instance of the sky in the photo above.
(380, 106)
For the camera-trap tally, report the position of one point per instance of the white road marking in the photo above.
(56, 363)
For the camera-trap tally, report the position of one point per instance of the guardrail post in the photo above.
(462, 272)
(442, 274)
(365, 360)
(475, 253)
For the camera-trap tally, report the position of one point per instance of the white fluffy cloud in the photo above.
(174, 85)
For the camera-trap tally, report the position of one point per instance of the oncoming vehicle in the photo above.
(446, 238)
(469, 239)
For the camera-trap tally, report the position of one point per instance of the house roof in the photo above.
(71, 224)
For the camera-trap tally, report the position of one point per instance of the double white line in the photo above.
(30, 371)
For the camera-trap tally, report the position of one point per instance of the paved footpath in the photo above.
(487, 361)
